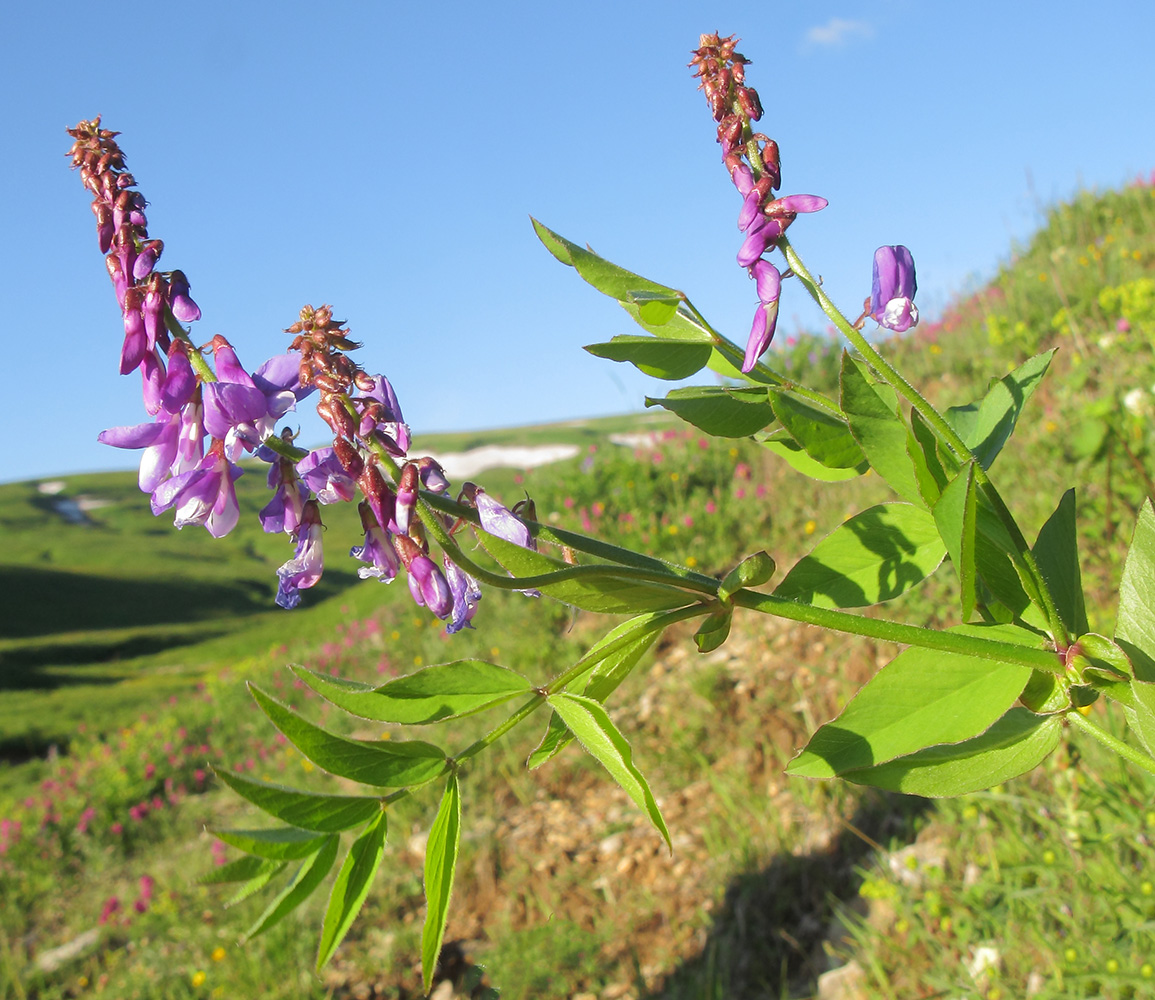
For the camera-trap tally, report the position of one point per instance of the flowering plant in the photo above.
(960, 709)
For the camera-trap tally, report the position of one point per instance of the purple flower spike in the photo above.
(892, 293)
(305, 568)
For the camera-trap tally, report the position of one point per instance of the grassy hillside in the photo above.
(125, 645)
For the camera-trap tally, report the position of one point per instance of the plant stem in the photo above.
(946, 433)
(1136, 757)
(891, 631)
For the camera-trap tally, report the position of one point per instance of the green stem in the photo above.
(1136, 757)
(583, 543)
(946, 433)
(891, 631)
(559, 683)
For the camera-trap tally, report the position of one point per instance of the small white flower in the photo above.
(984, 959)
(1137, 402)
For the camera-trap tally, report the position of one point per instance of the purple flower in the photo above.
(305, 568)
(283, 512)
(892, 293)
(428, 586)
(377, 552)
(769, 284)
(466, 594)
(173, 444)
(407, 493)
(324, 474)
(183, 307)
(242, 410)
(432, 475)
(205, 495)
(381, 412)
(500, 521)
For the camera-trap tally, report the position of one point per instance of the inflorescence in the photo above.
(207, 416)
(753, 161)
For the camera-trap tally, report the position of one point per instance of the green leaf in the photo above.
(785, 447)
(995, 568)
(1135, 623)
(242, 870)
(604, 594)
(307, 810)
(872, 411)
(823, 436)
(591, 724)
(440, 865)
(309, 876)
(1015, 744)
(985, 427)
(665, 359)
(1141, 713)
(351, 887)
(606, 673)
(385, 764)
(444, 691)
(718, 410)
(923, 697)
(611, 280)
(878, 554)
(286, 843)
(656, 308)
(1056, 551)
(647, 302)
(934, 465)
(254, 885)
(714, 630)
(955, 515)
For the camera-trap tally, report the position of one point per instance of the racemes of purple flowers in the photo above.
(208, 411)
(755, 169)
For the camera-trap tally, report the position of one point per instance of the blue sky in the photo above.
(386, 158)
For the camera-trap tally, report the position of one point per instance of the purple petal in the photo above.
(228, 404)
(798, 203)
(761, 333)
(179, 384)
(767, 281)
(499, 521)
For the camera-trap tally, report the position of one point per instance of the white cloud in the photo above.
(837, 32)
